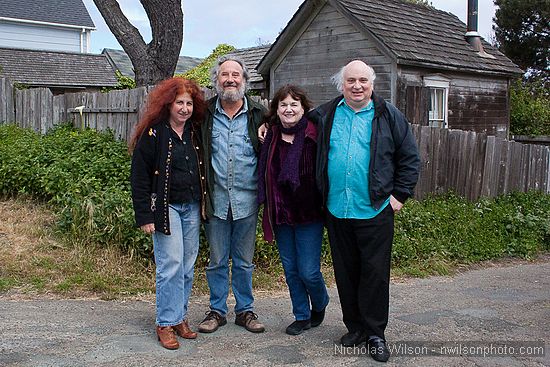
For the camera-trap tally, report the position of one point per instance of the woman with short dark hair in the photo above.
(292, 204)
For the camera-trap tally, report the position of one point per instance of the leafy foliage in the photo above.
(123, 82)
(440, 231)
(84, 175)
(201, 72)
(522, 33)
(529, 108)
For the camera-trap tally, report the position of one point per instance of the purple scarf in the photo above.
(290, 170)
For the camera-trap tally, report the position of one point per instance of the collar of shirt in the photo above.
(369, 106)
(219, 108)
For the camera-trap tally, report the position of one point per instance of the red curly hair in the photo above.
(159, 99)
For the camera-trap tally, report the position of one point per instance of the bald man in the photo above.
(367, 167)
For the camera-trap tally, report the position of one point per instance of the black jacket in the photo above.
(394, 160)
(150, 176)
(255, 114)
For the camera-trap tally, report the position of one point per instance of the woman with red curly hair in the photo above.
(168, 193)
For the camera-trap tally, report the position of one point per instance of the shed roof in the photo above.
(56, 69)
(411, 34)
(120, 61)
(251, 57)
(64, 12)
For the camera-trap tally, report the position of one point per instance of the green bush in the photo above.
(83, 173)
(529, 108)
(201, 72)
(85, 176)
(445, 230)
(123, 82)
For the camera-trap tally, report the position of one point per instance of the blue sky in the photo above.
(242, 23)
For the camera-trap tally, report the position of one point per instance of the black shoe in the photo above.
(378, 349)
(297, 327)
(317, 317)
(353, 339)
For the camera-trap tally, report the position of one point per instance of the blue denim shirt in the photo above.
(348, 163)
(235, 165)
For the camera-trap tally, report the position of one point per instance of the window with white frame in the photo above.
(439, 93)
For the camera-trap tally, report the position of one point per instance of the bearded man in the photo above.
(230, 152)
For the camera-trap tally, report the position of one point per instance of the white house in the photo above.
(60, 25)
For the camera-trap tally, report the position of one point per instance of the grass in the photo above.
(37, 261)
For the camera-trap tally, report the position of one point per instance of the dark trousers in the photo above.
(361, 255)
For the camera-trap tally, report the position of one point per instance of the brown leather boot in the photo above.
(167, 337)
(185, 331)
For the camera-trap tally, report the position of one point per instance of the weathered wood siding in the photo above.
(475, 102)
(40, 37)
(328, 43)
(480, 104)
(7, 109)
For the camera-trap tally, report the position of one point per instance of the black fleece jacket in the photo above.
(394, 160)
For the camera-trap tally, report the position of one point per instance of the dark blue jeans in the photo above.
(300, 252)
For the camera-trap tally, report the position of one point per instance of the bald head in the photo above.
(355, 81)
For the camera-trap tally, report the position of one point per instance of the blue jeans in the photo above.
(235, 239)
(300, 252)
(175, 257)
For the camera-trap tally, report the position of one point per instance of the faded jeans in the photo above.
(175, 256)
(233, 239)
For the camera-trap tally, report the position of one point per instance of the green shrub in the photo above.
(123, 82)
(449, 229)
(85, 176)
(201, 72)
(529, 108)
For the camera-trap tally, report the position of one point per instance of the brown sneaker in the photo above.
(167, 337)
(185, 331)
(249, 320)
(212, 322)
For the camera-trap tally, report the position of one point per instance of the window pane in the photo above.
(437, 107)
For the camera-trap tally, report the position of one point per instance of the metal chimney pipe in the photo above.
(471, 32)
(472, 16)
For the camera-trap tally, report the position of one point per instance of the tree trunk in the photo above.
(156, 60)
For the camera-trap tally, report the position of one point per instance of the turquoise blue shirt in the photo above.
(234, 163)
(348, 163)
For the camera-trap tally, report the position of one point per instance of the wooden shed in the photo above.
(425, 61)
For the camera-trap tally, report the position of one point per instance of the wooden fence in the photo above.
(7, 111)
(471, 164)
(117, 110)
(474, 164)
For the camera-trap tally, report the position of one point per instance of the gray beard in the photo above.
(231, 96)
